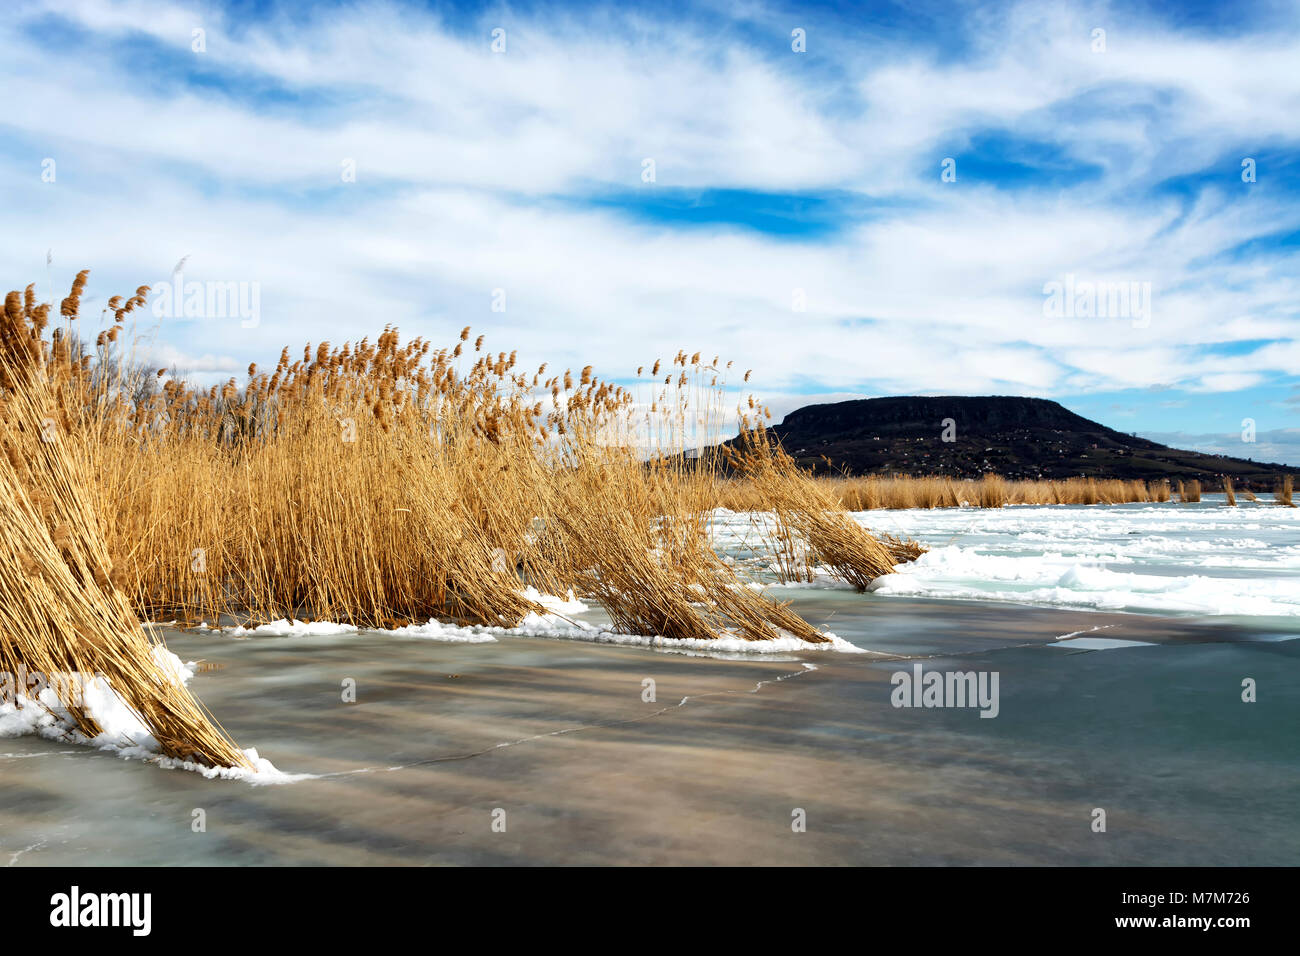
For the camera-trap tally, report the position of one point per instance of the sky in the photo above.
(1094, 203)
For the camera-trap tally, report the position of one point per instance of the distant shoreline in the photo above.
(874, 492)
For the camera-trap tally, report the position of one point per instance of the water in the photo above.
(1196, 559)
(557, 734)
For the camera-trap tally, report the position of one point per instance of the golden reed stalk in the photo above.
(65, 617)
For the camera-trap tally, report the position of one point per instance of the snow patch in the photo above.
(122, 731)
(556, 605)
(433, 630)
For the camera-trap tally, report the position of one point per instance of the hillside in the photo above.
(1014, 437)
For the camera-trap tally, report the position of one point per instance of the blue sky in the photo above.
(798, 219)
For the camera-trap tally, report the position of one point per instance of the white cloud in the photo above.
(205, 368)
(472, 146)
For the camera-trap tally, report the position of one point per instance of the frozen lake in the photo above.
(1194, 559)
(1137, 714)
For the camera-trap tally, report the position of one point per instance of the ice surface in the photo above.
(1167, 558)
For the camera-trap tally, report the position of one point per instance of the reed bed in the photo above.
(382, 483)
(1189, 492)
(992, 491)
(65, 616)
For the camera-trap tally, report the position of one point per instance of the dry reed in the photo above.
(874, 492)
(1282, 494)
(811, 526)
(65, 617)
(387, 482)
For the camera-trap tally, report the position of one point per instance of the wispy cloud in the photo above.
(797, 219)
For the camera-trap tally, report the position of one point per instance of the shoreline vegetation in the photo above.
(873, 492)
(384, 483)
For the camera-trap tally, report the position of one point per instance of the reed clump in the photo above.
(380, 483)
(811, 525)
(318, 490)
(1282, 494)
(631, 530)
(1228, 492)
(65, 615)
